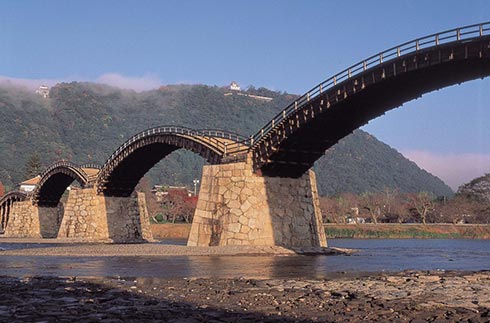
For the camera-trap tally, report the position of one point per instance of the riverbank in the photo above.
(404, 297)
(364, 231)
(407, 231)
(169, 230)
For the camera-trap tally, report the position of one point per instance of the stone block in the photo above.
(234, 227)
(246, 205)
(235, 212)
(234, 204)
(252, 222)
(243, 220)
(245, 229)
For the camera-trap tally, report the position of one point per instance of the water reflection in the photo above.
(373, 255)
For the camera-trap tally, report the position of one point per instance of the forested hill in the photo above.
(86, 122)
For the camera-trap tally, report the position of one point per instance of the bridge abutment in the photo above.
(93, 217)
(238, 207)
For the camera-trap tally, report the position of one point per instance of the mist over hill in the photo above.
(86, 122)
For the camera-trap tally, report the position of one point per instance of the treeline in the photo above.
(391, 206)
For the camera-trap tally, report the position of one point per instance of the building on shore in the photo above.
(30, 184)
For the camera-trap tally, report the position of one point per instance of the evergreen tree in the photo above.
(33, 166)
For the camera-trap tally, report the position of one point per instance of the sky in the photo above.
(282, 45)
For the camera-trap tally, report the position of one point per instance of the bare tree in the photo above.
(373, 203)
(422, 203)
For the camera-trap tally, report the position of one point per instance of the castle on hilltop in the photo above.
(236, 90)
(43, 91)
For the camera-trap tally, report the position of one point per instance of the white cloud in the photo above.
(143, 83)
(453, 169)
(30, 84)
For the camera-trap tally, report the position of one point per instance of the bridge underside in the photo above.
(126, 175)
(122, 172)
(50, 192)
(296, 144)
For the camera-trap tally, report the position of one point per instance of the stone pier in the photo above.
(30, 221)
(85, 216)
(238, 207)
(23, 221)
(92, 217)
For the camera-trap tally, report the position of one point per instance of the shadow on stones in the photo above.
(77, 300)
(50, 220)
(123, 219)
(294, 211)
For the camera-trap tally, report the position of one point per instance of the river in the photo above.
(373, 256)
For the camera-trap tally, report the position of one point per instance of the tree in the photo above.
(179, 205)
(33, 166)
(337, 209)
(399, 209)
(423, 204)
(373, 203)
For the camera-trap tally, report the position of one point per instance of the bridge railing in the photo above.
(62, 163)
(91, 165)
(457, 34)
(57, 164)
(15, 194)
(223, 134)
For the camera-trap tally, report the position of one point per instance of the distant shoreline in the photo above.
(407, 231)
(365, 231)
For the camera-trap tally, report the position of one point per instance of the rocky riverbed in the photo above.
(403, 297)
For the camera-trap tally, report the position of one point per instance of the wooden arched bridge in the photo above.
(287, 146)
(127, 165)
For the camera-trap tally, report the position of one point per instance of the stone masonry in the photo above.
(238, 207)
(24, 221)
(93, 217)
(28, 220)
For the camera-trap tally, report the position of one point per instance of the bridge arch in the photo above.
(127, 165)
(6, 203)
(55, 180)
(293, 140)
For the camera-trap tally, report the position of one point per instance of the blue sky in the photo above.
(283, 45)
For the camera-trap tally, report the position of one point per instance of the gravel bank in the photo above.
(69, 248)
(404, 297)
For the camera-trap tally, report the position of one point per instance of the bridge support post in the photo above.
(237, 207)
(92, 217)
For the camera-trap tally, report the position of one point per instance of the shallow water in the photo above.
(373, 256)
